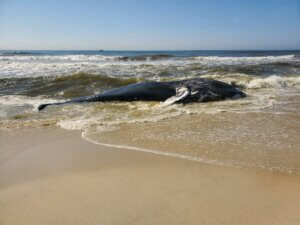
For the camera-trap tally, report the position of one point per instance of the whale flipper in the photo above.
(181, 93)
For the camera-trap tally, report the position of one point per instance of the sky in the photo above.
(149, 25)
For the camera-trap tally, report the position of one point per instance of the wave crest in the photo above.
(18, 53)
(145, 57)
(272, 82)
(68, 86)
(245, 58)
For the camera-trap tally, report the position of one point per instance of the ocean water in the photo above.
(261, 131)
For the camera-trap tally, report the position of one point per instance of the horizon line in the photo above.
(140, 50)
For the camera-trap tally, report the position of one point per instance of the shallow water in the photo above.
(251, 140)
(260, 131)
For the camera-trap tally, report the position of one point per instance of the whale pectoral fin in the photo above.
(181, 93)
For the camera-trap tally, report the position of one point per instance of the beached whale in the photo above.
(182, 91)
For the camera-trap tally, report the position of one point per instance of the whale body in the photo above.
(181, 91)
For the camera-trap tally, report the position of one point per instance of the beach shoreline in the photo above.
(53, 176)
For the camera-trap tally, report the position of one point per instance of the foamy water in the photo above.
(264, 127)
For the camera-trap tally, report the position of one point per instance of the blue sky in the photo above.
(149, 25)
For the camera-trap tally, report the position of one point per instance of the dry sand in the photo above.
(53, 176)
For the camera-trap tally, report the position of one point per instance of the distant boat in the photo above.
(101, 50)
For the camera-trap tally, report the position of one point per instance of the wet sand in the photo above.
(53, 176)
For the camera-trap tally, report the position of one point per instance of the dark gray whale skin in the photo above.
(199, 90)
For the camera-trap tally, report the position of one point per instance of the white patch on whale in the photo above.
(181, 93)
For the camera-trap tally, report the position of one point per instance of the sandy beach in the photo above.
(53, 176)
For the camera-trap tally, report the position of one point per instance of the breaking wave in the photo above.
(250, 60)
(273, 82)
(255, 82)
(75, 85)
(18, 53)
(145, 57)
(144, 65)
